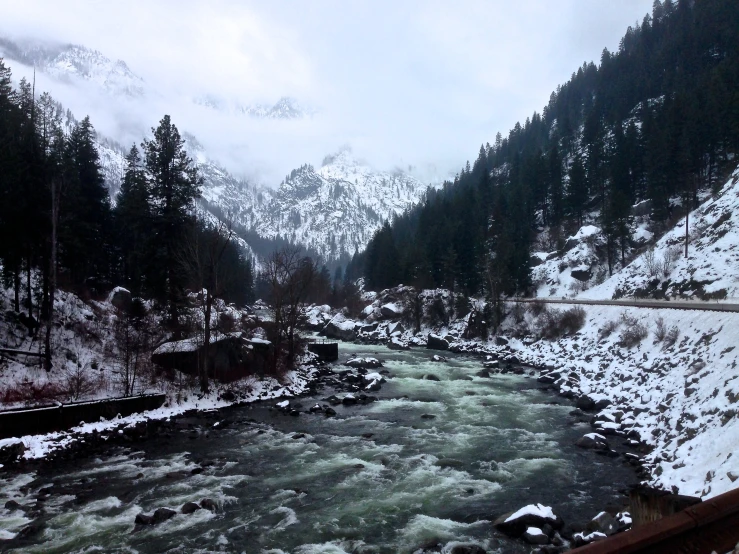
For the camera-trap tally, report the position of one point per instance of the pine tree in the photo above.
(85, 213)
(174, 186)
(133, 216)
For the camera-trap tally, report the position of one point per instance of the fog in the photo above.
(415, 83)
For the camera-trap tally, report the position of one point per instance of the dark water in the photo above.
(376, 478)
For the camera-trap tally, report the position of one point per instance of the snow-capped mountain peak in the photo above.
(71, 62)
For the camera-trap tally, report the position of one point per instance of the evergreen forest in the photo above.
(655, 122)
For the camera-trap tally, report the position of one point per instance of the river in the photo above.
(375, 478)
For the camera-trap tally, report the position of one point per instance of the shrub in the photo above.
(553, 324)
(671, 337)
(660, 330)
(634, 331)
(608, 328)
(536, 307)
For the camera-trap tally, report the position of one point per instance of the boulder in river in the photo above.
(364, 363)
(435, 342)
(468, 549)
(604, 523)
(431, 377)
(593, 441)
(534, 535)
(516, 523)
(396, 344)
(189, 508)
(208, 504)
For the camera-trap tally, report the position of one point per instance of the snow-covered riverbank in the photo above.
(679, 398)
(249, 390)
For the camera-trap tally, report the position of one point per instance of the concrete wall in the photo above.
(17, 423)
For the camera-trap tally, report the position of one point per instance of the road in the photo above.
(712, 306)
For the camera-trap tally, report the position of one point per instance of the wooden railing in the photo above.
(711, 526)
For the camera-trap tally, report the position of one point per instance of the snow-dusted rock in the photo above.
(396, 344)
(366, 363)
(340, 328)
(391, 310)
(435, 342)
(516, 523)
(534, 535)
(593, 441)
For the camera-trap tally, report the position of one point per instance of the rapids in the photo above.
(375, 478)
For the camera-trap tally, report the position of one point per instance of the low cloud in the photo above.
(405, 83)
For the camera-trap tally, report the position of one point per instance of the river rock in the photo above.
(349, 400)
(437, 358)
(431, 377)
(516, 523)
(593, 441)
(483, 373)
(468, 549)
(585, 403)
(604, 523)
(12, 453)
(581, 539)
(549, 378)
(189, 508)
(364, 363)
(534, 535)
(396, 344)
(208, 504)
(428, 416)
(435, 342)
(162, 514)
(501, 341)
(329, 412)
(12, 505)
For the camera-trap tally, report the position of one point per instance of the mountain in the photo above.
(332, 211)
(336, 209)
(70, 63)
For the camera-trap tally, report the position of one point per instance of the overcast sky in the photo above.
(403, 82)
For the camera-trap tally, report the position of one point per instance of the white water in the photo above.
(495, 445)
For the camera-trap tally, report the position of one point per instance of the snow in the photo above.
(39, 446)
(538, 510)
(534, 531)
(712, 263)
(585, 231)
(283, 404)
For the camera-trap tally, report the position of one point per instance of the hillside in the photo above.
(711, 270)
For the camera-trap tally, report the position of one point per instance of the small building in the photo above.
(231, 356)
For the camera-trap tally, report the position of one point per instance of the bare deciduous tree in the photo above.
(290, 277)
(201, 259)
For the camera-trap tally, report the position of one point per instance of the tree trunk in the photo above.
(206, 343)
(28, 286)
(17, 288)
(52, 274)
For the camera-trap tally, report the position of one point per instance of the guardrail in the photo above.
(711, 526)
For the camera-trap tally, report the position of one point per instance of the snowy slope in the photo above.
(711, 269)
